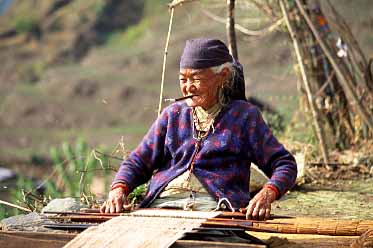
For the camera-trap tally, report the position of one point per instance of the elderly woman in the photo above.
(199, 150)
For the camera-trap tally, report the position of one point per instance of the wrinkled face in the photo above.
(204, 83)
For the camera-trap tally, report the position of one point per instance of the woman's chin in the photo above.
(191, 103)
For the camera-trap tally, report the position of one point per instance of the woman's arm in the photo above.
(275, 161)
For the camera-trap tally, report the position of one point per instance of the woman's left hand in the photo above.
(259, 207)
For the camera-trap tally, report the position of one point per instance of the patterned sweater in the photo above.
(222, 162)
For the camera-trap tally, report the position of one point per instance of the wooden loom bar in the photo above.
(289, 226)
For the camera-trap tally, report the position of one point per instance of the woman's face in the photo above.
(204, 83)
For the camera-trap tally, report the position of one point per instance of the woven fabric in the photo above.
(130, 231)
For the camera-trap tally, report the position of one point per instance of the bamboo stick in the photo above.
(366, 117)
(165, 59)
(316, 117)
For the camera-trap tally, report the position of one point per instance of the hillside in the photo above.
(92, 69)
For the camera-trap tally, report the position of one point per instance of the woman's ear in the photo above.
(225, 73)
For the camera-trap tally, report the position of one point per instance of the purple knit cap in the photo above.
(203, 53)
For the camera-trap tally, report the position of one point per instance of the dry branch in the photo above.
(316, 116)
(231, 34)
(14, 206)
(175, 3)
(266, 9)
(345, 82)
(244, 30)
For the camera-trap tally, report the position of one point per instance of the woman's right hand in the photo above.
(116, 202)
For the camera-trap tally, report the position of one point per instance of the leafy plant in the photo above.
(25, 23)
(74, 167)
(5, 212)
(137, 194)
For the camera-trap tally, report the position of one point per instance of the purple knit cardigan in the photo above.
(222, 163)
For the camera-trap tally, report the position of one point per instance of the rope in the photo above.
(164, 61)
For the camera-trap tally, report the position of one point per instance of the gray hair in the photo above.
(225, 92)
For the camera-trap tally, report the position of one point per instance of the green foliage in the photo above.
(129, 36)
(73, 169)
(5, 212)
(31, 72)
(98, 7)
(155, 6)
(25, 194)
(275, 122)
(301, 129)
(25, 23)
(137, 194)
(37, 159)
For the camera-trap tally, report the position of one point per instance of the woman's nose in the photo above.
(190, 87)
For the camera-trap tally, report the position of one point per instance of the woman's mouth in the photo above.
(179, 99)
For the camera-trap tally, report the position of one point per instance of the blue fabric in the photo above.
(203, 53)
(223, 163)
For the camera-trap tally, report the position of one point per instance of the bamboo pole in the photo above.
(316, 117)
(231, 34)
(164, 60)
(366, 117)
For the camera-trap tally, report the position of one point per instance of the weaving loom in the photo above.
(161, 228)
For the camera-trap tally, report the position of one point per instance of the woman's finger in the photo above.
(255, 213)
(262, 213)
(268, 212)
(107, 207)
(102, 208)
(118, 206)
(249, 210)
(112, 207)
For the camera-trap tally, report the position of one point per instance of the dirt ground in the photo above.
(344, 199)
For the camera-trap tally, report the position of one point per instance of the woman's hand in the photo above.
(259, 207)
(116, 202)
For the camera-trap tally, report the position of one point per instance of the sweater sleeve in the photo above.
(146, 158)
(271, 156)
